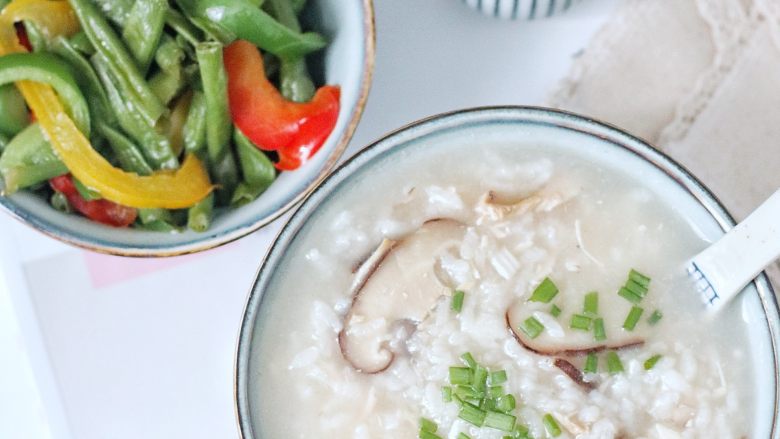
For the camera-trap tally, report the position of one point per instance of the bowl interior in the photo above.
(524, 130)
(347, 61)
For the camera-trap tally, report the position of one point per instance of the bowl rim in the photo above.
(210, 242)
(438, 123)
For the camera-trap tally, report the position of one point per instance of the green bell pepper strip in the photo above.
(28, 160)
(248, 22)
(121, 63)
(14, 115)
(48, 69)
(143, 29)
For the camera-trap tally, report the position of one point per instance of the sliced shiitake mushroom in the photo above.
(574, 373)
(396, 284)
(573, 342)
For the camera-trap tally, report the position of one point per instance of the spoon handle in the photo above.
(723, 269)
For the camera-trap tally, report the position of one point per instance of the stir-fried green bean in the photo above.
(35, 36)
(257, 170)
(199, 216)
(81, 43)
(120, 62)
(195, 125)
(295, 81)
(127, 153)
(13, 111)
(219, 125)
(28, 160)
(143, 28)
(115, 10)
(179, 23)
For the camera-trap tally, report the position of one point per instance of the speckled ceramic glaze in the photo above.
(521, 126)
(521, 9)
(348, 61)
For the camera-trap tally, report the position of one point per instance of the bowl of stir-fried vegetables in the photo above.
(164, 127)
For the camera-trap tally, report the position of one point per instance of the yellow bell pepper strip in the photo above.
(165, 189)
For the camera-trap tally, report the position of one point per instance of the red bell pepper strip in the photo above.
(296, 131)
(101, 211)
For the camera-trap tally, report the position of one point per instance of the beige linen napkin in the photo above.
(700, 79)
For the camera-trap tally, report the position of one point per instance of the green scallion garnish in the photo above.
(497, 377)
(446, 394)
(428, 425)
(555, 311)
(457, 300)
(591, 363)
(467, 392)
(639, 278)
(495, 392)
(506, 403)
(655, 317)
(500, 421)
(472, 414)
(599, 333)
(633, 318)
(591, 306)
(652, 361)
(532, 327)
(479, 378)
(635, 288)
(544, 292)
(469, 360)
(463, 436)
(581, 322)
(460, 375)
(629, 295)
(551, 425)
(614, 365)
(428, 435)
(521, 432)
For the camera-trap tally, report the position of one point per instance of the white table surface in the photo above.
(97, 347)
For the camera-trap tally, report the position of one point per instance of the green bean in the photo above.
(116, 10)
(3, 142)
(143, 29)
(298, 5)
(121, 63)
(295, 81)
(35, 36)
(169, 81)
(182, 26)
(195, 125)
(169, 55)
(13, 111)
(199, 216)
(148, 216)
(156, 226)
(28, 160)
(225, 174)
(157, 149)
(88, 81)
(81, 43)
(256, 167)
(127, 153)
(60, 202)
(166, 86)
(219, 125)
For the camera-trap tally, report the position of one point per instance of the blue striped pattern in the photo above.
(521, 9)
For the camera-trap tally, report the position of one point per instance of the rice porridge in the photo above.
(493, 296)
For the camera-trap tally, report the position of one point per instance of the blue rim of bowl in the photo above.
(475, 116)
(209, 241)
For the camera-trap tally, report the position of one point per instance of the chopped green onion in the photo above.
(500, 421)
(472, 414)
(495, 392)
(592, 363)
(468, 392)
(428, 425)
(497, 377)
(446, 394)
(629, 295)
(506, 403)
(599, 334)
(551, 425)
(463, 436)
(633, 318)
(635, 288)
(591, 303)
(639, 278)
(555, 311)
(614, 365)
(655, 317)
(581, 322)
(521, 432)
(652, 361)
(460, 375)
(479, 378)
(487, 404)
(532, 327)
(469, 360)
(544, 292)
(457, 300)
(428, 435)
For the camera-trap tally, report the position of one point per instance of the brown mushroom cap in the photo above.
(396, 283)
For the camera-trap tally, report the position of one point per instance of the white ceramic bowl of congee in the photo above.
(499, 272)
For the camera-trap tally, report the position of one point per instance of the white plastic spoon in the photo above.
(723, 269)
